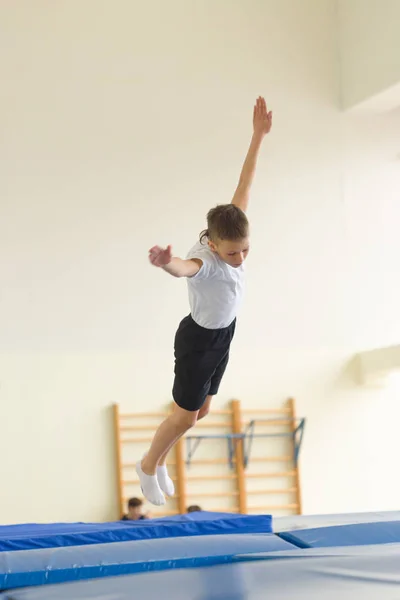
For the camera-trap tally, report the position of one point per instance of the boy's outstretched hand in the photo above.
(262, 119)
(160, 257)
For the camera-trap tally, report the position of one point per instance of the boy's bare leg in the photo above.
(165, 437)
(204, 410)
(164, 480)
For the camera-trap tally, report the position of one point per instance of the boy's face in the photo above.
(233, 253)
(134, 512)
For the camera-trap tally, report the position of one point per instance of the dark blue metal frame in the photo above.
(197, 439)
(297, 436)
(193, 441)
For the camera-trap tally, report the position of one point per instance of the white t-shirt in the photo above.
(216, 291)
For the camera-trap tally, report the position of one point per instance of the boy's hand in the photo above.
(160, 257)
(262, 119)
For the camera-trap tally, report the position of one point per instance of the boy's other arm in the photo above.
(177, 267)
(262, 122)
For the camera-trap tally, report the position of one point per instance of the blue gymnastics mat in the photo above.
(373, 550)
(359, 534)
(363, 575)
(313, 521)
(33, 536)
(55, 565)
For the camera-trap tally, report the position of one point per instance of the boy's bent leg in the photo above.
(204, 410)
(164, 480)
(165, 437)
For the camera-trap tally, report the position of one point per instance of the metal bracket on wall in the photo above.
(298, 438)
(193, 442)
(249, 435)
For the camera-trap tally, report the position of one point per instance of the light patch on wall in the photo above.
(376, 367)
(393, 382)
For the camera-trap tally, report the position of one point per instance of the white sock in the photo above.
(164, 480)
(150, 488)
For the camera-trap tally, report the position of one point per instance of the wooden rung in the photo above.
(274, 507)
(266, 411)
(211, 461)
(225, 461)
(137, 440)
(222, 412)
(271, 422)
(142, 415)
(209, 477)
(213, 424)
(136, 481)
(213, 494)
(262, 475)
(137, 427)
(133, 465)
(271, 459)
(261, 492)
(206, 461)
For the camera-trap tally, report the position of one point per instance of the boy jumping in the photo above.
(215, 272)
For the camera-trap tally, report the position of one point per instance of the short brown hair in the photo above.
(226, 222)
(194, 508)
(134, 502)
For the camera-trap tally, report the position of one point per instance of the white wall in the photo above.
(122, 123)
(369, 50)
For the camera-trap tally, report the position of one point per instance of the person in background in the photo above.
(194, 508)
(134, 510)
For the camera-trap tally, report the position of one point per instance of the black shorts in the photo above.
(201, 357)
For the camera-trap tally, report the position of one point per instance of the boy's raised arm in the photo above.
(262, 122)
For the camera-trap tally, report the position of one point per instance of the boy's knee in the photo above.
(203, 412)
(185, 420)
